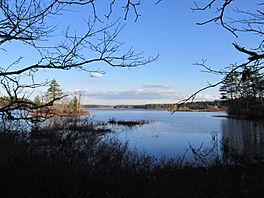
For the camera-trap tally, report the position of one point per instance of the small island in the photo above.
(60, 105)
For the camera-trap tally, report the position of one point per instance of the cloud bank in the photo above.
(147, 93)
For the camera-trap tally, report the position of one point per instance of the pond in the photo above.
(172, 135)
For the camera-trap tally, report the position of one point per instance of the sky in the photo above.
(168, 29)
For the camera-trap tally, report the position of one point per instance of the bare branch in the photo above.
(27, 21)
(219, 17)
(253, 55)
(208, 6)
(245, 79)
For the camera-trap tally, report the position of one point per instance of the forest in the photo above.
(50, 146)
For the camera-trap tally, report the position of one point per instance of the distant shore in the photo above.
(184, 110)
(202, 106)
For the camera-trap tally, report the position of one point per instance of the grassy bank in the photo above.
(74, 159)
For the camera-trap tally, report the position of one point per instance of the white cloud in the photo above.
(156, 86)
(205, 96)
(135, 94)
(147, 93)
(96, 74)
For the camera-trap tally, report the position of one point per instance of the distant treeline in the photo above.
(217, 105)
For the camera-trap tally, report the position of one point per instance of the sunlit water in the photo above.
(170, 135)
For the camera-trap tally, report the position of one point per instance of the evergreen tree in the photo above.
(54, 91)
(37, 101)
(230, 88)
(74, 103)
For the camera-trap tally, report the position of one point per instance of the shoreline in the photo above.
(240, 117)
(143, 109)
(231, 116)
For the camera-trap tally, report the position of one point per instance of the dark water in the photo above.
(246, 137)
(171, 135)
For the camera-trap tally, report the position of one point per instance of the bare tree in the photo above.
(232, 16)
(29, 22)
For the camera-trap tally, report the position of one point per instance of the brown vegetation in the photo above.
(60, 110)
(72, 159)
(128, 123)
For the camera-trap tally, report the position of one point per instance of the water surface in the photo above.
(170, 135)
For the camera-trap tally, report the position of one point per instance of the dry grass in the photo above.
(73, 159)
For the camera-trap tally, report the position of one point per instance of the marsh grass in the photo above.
(128, 123)
(73, 159)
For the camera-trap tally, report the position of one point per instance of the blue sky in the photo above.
(168, 29)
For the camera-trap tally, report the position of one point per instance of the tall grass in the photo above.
(71, 158)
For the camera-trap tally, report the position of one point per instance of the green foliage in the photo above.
(37, 101)
(5, 99)
(244, 92)
(54, 91)
(74, 103)
(204, 105)
(230, 86)
(246, 84)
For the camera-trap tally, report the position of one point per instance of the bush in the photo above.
(73, 158)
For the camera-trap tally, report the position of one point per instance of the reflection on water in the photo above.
(170, 135)
(244, 138)
(166, 135)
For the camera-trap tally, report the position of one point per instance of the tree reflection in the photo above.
(242, 140)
